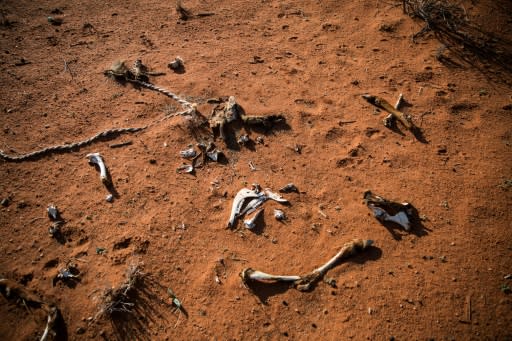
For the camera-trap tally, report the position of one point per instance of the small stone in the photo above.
(5, 202)
(109, 198)
(80, 330)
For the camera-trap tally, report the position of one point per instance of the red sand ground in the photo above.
(445, 280)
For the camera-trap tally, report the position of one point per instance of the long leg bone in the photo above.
(96, 158)
(305, 282)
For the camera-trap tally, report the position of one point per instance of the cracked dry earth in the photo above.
(447, 279)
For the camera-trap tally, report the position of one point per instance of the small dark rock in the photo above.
(5, 202)
(80, 330)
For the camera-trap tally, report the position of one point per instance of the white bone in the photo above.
(188, 153)
(256, 275)
(240, 197)
(254, 204)
(275, 196)
(251, 223)
(400, 218)
(399, 101)
(279, 215)
(97, 159)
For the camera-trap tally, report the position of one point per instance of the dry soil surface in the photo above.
(446, 279)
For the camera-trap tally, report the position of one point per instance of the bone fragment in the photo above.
(275, 196)
(399, 101)
(96, 158)
(53, 212)
(400, 218)
(188, 153)
(279, 215)
(251, 222)
(289, 188)
(384, 105)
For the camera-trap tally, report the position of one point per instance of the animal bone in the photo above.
(279, 215)
(400, 218)
(251, 223)
(95, 158)
(289, 188)
(384, 105)
(177, 64)
(385, 210)
(240, 197)
(275, 197)
(258, 198)
(185, 169)
(249, 274)
(188, 153)
(53, 212)
(254, 204)
(305, 282)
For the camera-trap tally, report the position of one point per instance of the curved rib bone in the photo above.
(240, 197)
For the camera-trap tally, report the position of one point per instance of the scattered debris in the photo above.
(139, 76)
(230, 111)
(12, 290)
(121, 299)
(306, 282)
(257, 197)
(385, 210)
(69, 275)
(251, 223)
(289, 188)
(95, 158)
